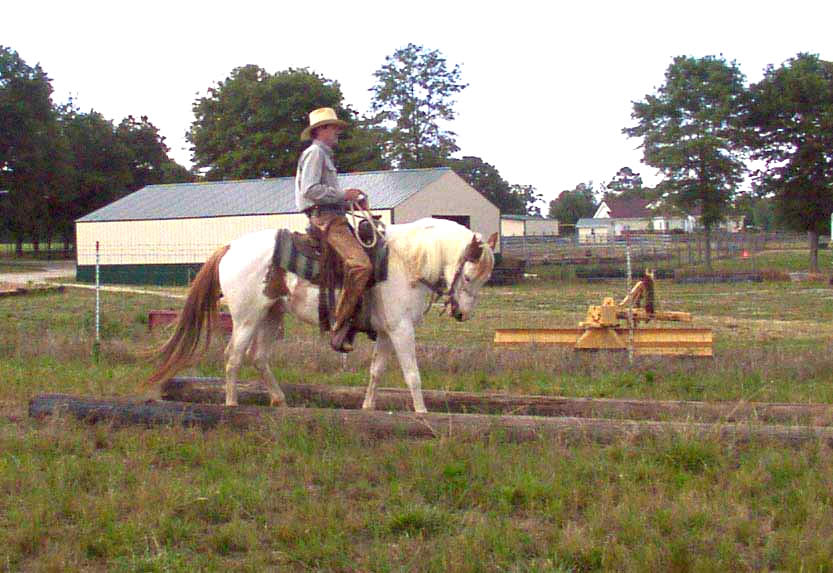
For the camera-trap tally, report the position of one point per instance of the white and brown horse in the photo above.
(423, 255)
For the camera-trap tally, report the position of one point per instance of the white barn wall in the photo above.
(541, 227)
(174, 241)
(512, 228)
(451, 195)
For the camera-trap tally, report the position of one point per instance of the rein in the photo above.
(437, 291)
(376, 225)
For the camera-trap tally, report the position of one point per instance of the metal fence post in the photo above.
(97, 341)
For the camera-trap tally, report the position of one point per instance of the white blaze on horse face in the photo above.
(468, 289)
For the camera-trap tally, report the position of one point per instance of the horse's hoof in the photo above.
(232, 404)
(368, 406)
(277, 403)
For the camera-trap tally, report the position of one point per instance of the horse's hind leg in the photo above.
(242, 336)
(268, 333)
(381, 353)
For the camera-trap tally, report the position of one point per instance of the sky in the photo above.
(550, 85)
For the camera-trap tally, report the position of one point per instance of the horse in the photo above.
(424, 256)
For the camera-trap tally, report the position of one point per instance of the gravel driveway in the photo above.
(39, 272)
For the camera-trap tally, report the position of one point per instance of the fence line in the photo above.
(678, 249)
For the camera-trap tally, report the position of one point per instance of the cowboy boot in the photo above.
(340, 339)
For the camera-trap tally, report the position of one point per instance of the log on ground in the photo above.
(379, 424)
(212, 391)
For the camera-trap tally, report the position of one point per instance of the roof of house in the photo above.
(634, 208)
(386, 190)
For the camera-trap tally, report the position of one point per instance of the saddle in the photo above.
(308, 256)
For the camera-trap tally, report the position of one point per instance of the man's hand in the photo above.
(351, 195)
(356, 196)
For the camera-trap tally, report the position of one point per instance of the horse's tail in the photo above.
(199, 314)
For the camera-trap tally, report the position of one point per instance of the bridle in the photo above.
(472, 254)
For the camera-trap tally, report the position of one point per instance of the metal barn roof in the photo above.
(386, 190)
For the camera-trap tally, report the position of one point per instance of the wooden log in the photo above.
(379, 424)
(211, 390)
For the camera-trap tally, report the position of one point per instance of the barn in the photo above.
(526, 226)
(161, 234)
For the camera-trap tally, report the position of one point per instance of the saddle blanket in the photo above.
(287, 256)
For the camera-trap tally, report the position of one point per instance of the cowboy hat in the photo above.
(319, 118)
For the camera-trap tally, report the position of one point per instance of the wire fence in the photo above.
(662, 252)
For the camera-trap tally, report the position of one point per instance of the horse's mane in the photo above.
(430, 248)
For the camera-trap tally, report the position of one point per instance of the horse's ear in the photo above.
(492, 242)
(474, 249)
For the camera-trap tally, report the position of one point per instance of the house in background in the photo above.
(591, 230)
(526, 225)
(615, 216)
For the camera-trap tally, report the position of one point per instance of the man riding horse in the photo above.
(318, 195)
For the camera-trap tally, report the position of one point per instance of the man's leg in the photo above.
(357, 269)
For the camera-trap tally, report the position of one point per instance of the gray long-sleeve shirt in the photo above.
(316, 181)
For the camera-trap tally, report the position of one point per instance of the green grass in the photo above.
(78, 497)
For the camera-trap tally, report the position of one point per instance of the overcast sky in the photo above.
(550, 86)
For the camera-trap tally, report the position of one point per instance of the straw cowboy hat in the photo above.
(319, 118)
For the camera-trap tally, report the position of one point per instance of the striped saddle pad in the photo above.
(287, 255)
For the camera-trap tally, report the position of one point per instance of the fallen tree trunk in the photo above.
(379, 424)
(212, 390)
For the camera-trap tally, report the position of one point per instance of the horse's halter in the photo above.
(472, 254)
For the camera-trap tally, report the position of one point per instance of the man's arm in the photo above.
(312, 187)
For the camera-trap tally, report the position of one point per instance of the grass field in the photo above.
(78, 497)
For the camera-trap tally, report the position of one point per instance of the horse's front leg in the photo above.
(381, 353)
(404, 343)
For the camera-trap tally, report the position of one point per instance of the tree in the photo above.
(486, 179)
(413, 94)
(101, 161)
(148, 154)
(249, 125)
(33, 156)
(691, 133)
(790, 114)
(627, 184)
(529, 196)
(572, 205)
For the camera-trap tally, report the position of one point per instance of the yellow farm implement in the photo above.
(602, 329)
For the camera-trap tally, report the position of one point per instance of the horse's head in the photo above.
(474, 270)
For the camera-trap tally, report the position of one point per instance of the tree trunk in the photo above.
(813, 239)
(380, 424)
(212, 390)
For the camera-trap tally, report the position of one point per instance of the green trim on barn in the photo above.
(158, 275)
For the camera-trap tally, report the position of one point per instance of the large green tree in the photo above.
(412, 98)
(248, 126)
(33, 155)
(690, 130)
(790, 115)
(148, 154)
(101, 161)
(574, 204)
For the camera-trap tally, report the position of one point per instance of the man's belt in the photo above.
(325, 208)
